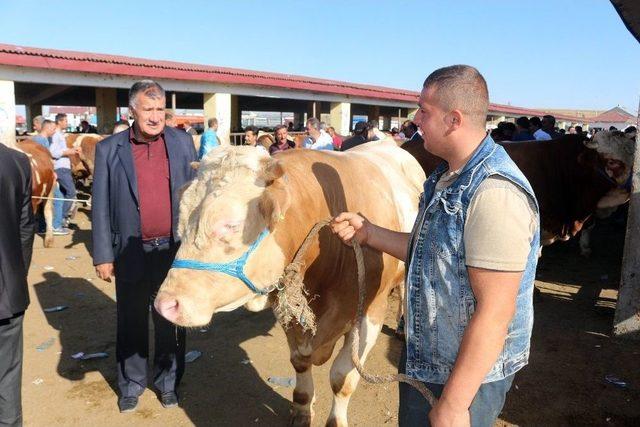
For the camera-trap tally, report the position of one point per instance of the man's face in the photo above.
(430, 119)
(37, 126)
(281, 136)
(47, 130)
(312, 132)
(148, 114)
(250, 138)
(215, 127)
(63, 124)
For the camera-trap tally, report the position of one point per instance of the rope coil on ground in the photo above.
(294, 305)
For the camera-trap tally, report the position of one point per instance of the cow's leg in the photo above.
(585, 241)
(48, 219)
(304, 392)
(344, 377)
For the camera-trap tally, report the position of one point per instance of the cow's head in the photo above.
(615, 152)
(238, 194)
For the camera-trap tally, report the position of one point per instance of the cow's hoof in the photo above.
(300, 420)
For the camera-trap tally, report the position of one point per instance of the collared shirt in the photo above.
(57, 147)
(152, 171)
(324, 142)
(276, 148)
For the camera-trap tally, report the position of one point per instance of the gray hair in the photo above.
(212, 122)
(149, 88)
(314, 123)
(38, 119)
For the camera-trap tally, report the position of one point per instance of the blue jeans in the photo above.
(66, 189)
(485, 408)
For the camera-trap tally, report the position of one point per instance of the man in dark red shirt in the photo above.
(134, 222)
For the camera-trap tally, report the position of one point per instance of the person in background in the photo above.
(66, 186)
(549, 125)
(47, 129)
(134, 217)
(320, 140)
(188, 129)
(536, 128)
(251, 138)
(16, 246)
(169, 119)
(209, 138)
(410, 131)
(337, 139)
(37, 124)
(522, 130)
(375, 133)
(360, 136)
(281, 143)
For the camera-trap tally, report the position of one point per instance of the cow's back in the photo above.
(42, 174)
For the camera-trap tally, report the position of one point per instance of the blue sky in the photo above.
(544, 53)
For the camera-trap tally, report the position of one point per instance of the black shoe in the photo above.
(127, 404)
(169, 399)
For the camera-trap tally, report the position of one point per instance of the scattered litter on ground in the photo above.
(82, 356)
(37, 381)
(45, 345)
(48, 267)
(192, 356)
(282, 381)
(611, 379)
(72, 257)
(246, 361)
(203, 330)
(54, 309)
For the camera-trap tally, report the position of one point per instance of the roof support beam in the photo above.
(46, 94)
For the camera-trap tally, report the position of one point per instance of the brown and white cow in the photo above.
(43, 180)
(241, 191)
(82, 164)
(570, 177)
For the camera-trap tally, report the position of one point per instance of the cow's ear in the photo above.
(275, 202)
(272, 170)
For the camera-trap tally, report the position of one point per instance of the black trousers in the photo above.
(134, 301)
(11, 371)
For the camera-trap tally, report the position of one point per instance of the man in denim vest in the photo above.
(471, 261)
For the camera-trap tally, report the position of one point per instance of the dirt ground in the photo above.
(564, 384)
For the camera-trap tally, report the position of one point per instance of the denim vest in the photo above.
(440, 301)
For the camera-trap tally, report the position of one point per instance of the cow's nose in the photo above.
(168, 308)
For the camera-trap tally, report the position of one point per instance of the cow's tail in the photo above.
(48, 215)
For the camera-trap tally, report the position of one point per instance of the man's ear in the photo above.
(454, 119)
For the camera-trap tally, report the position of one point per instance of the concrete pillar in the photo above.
(313, 110)
(386, 123)
(236, 119)
(173, 102)
(32, 111)
(374, 113)
(218, 105)
(340, 117)
(7, 113)
(106, 109)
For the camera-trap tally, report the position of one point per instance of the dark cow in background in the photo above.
(572, 178)
(43, 179)
(82, 164)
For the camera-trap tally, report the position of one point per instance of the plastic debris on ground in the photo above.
(72, 257)
(192, 356)
(37, 381)
(54, 309)
(82, 356)
(246, 361)
(48, 267)
(282, 381)
(203, 330)
(45, 345)
(612, 379)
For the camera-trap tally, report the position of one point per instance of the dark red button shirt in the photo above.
(152, 171)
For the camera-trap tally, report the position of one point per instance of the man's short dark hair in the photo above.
(60, 117)
(47, 122)
(535, 121)
(523, 122)
(212, 122)
(461, 87)
(314, 123)
(252, 129)
(277, 128)
(148, 87)
(549, 118)
(409, 125)
(578, 129)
